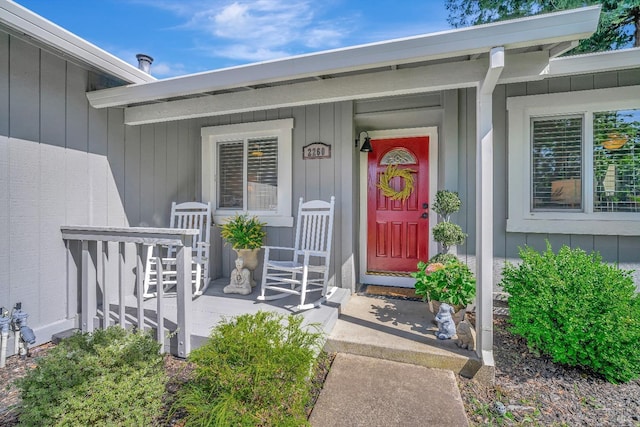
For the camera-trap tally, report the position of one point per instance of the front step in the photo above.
(398, 330)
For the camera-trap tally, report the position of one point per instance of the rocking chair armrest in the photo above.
(281, 248)
(315, 253)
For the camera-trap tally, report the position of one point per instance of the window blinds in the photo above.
(616, 161)
(556, 163)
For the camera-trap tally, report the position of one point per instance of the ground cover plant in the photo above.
(253, 370)
(109, 377)
(576, 309)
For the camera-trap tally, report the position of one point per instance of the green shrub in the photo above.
(110, 377)
(451, 282)
(576, 309)
(253, 370)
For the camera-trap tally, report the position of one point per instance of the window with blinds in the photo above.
(616, 161)
(260, 180)
(556, 163)
(262, 175)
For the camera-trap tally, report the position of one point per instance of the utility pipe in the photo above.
(5, 320)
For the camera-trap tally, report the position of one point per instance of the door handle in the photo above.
(424, 215)
(425, 206)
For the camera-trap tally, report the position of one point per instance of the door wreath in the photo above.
(391, 172)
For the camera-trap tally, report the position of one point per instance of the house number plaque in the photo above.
(316, 150)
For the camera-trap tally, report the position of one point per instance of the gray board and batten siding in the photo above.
(624, 250)
(65, 163)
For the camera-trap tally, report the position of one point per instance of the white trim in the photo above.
(34, 26)
(520, 110)
(432, 133)
(540, 30)
(595, 62)
(282, 129)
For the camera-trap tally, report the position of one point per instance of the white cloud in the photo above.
(258, 29)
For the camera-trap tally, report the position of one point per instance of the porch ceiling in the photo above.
(550, 33)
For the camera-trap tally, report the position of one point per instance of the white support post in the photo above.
(184, 301)
(484, 207)
(88, 288)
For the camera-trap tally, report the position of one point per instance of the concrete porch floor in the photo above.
(381, 327)
(399, 330)
(214, 305)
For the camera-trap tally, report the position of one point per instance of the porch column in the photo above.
(484, 207)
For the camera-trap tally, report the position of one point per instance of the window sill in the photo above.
(617, 227)
(271, 221)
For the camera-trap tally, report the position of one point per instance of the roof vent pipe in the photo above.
(144, 62)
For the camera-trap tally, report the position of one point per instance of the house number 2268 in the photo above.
(316, 150)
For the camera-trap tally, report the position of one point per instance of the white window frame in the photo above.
(521, 110)
(280, 129)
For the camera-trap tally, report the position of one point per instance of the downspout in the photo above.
(484, 212)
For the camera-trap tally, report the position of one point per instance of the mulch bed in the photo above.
(536, 391)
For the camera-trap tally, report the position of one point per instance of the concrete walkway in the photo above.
(390, 370)
(363, 391)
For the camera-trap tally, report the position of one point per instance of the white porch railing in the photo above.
(94, 262)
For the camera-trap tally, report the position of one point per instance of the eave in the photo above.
(550, 32)
(42, 32)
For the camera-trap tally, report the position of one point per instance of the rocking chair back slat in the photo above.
(311, 255)
(189, 215)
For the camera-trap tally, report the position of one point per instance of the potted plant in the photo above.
(245, 234)
(451, 282)
(446, 232)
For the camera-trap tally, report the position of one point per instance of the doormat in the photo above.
(390, 291)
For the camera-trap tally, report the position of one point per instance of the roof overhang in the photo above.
(552, 33)
(24, 22)
(598, 62)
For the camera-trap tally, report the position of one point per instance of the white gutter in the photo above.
(594, 62)
(548, 29)
(24, 21)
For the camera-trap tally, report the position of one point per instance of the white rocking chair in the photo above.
(308, 270)
(184, 215)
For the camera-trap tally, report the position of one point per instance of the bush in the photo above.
(576, 309)
(451, 282)
(253, 370)
(110, 377)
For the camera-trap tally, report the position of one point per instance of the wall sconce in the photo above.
(366, 145)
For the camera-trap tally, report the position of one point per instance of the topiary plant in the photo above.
(445, 232)
(576, 309)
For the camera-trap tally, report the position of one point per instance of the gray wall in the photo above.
(312, 179)
(65, 163)
(621, 249)
(62, 162)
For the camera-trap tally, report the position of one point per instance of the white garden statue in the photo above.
(240, 280)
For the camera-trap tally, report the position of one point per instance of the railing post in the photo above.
(159, 299)
(121, 275)
(88, 289)
(139, 285)
(184, 301)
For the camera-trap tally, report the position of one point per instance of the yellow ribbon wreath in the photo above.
(391, 172)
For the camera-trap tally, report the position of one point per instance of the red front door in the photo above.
(397, 230)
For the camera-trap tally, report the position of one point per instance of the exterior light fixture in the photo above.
(366, 145)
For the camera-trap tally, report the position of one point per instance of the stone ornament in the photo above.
(240, 280)
(466, 335)
(446, 326)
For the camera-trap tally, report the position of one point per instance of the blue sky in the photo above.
(189, 36)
